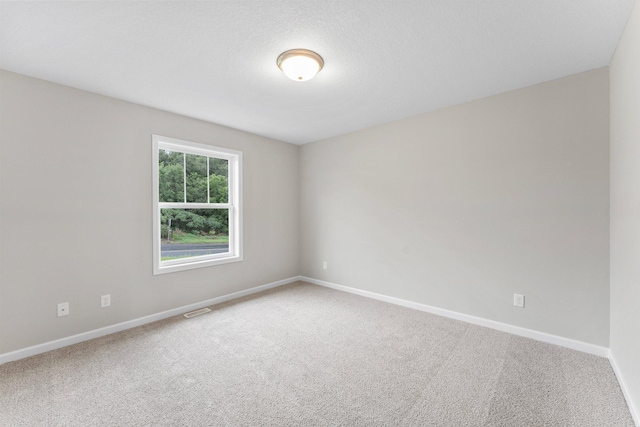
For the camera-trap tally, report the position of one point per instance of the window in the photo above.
(197, 211)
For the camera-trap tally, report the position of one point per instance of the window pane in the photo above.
(196, 178)
(186, 233)
(171, 176)
(218, 180)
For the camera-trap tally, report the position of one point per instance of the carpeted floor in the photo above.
(303, 355)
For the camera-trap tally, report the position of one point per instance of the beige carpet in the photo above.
(303, 355)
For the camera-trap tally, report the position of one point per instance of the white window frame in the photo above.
(234, 205)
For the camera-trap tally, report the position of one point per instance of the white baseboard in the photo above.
(504, 327)
(516, 330)
(96, 333)
(635, 413)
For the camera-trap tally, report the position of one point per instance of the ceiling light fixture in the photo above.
(300, 64)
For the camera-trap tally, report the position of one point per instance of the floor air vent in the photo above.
(196, 313)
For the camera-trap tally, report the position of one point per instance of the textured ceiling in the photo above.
(384, 59)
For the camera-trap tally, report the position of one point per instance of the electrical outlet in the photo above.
(63, 309)
(324, 265)
(518, 300)
(105, 301)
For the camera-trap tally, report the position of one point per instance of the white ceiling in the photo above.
(384, 59)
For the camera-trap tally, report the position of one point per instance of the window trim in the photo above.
(234, 205)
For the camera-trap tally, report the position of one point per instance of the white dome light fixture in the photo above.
(300, 64)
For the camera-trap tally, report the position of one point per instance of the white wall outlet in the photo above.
(105, 301)
(518, 300)
(63, 309)
(324, 265)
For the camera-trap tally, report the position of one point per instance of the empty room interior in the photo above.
(384, 212)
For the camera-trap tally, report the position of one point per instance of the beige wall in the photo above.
(463, 207)
(75, 212)
(625, 209)
(458, 208)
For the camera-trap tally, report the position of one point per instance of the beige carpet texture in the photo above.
(304, 355)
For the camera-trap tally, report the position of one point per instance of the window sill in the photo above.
(190, 265)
